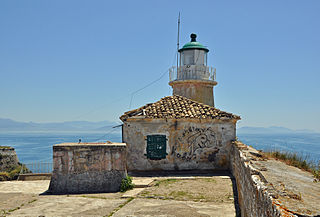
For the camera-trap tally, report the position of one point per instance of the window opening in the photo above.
(156, 147)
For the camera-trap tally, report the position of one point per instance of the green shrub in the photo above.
(316, 174)
(4, 176)
(14, 174)
(126, 184)
(316, 171)
(5, 147)
(24, 169)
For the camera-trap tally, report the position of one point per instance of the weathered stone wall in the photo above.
(192, 144)
(88, 167)
(8, 158)
(255, 199)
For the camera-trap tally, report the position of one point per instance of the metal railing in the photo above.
(192, 72)
(36, 167)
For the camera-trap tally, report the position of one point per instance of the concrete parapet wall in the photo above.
(255, 199)
(88, 167)
(33, 177)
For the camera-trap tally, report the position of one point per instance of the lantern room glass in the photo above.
(193, 57)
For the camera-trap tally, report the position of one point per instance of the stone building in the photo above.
(184, 131)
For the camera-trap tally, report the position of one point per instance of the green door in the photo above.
(156, 147)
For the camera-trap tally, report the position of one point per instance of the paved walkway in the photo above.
(23, 198)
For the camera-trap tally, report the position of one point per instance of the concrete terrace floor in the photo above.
(202, 195)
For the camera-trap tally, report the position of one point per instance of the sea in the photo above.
(35, 147)
(305, 145)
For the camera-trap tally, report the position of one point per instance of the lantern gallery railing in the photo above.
(192, 72)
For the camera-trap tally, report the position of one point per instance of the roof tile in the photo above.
(178, 107)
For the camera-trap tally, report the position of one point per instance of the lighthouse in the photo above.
(193, 78)
(183, 131)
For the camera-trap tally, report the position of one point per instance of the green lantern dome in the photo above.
(193, 44)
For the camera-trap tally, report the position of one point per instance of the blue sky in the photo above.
(81, 60)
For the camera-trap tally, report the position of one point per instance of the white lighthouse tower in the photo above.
(193, 78)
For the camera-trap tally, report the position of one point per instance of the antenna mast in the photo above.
(178, 41)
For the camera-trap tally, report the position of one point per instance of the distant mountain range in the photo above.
(11, 125)
(105, 126)
(271, 130)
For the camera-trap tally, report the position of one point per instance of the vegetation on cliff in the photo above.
(9, 165)
(296, 160)
(12, 173)
(5, 147)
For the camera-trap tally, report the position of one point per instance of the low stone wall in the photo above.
(88, 167)
(255, 197)
(8, 158)
(33, 177)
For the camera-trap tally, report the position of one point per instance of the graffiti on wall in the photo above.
(201, 144)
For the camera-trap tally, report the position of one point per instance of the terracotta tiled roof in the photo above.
(178, 107)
